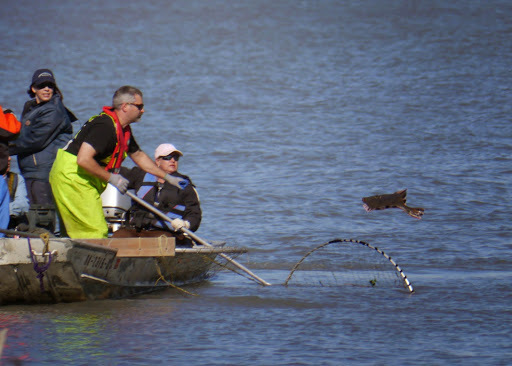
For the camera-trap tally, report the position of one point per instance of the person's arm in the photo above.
(36, 136)
(85, 159)
(192, 207)
(20, 203)
(145, 163)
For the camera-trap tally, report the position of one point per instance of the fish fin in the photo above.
(402, 194)
(367, 208)
(416, 212)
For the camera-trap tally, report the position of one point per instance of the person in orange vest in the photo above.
(93, 158)
(9, 130)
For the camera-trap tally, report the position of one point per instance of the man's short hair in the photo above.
(125, 94)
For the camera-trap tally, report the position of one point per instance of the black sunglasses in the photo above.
(140, 106)
(176, 157)
(44, 85)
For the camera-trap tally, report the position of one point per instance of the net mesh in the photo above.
(220, 263)
(348, 262)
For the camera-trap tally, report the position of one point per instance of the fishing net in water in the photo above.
(225, 263)
(348, 262)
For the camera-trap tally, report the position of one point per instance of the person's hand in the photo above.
(118, 181)
(176, 181)
(178, 224)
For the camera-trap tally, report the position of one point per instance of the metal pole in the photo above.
(195, 237)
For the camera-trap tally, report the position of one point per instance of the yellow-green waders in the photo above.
(78, 198)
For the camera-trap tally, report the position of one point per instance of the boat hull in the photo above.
(80, 270)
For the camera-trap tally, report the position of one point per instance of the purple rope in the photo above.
(39, 270)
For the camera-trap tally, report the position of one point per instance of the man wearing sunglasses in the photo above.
(46, 127)
(182, 206)
(93, 158)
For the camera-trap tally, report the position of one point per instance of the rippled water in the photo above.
(289, 113)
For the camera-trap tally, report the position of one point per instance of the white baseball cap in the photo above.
(166, 149)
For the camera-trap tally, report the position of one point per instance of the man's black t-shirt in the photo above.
(100, 133)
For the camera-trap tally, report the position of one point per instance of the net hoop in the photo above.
(405, 281)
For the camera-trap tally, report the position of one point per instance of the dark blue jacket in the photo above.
(45, 128)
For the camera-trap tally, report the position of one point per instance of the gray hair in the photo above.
(125, 94)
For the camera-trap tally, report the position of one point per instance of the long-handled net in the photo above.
(348, 262)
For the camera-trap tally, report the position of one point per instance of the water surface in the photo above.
(289, 113)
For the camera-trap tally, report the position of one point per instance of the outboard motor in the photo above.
(115, 207)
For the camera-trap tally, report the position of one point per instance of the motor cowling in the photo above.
(115, 207)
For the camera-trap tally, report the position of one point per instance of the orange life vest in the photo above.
(9, 123)
(123, 137)
(9, 129)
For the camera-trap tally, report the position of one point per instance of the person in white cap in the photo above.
(93, 158)
(182, 206)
